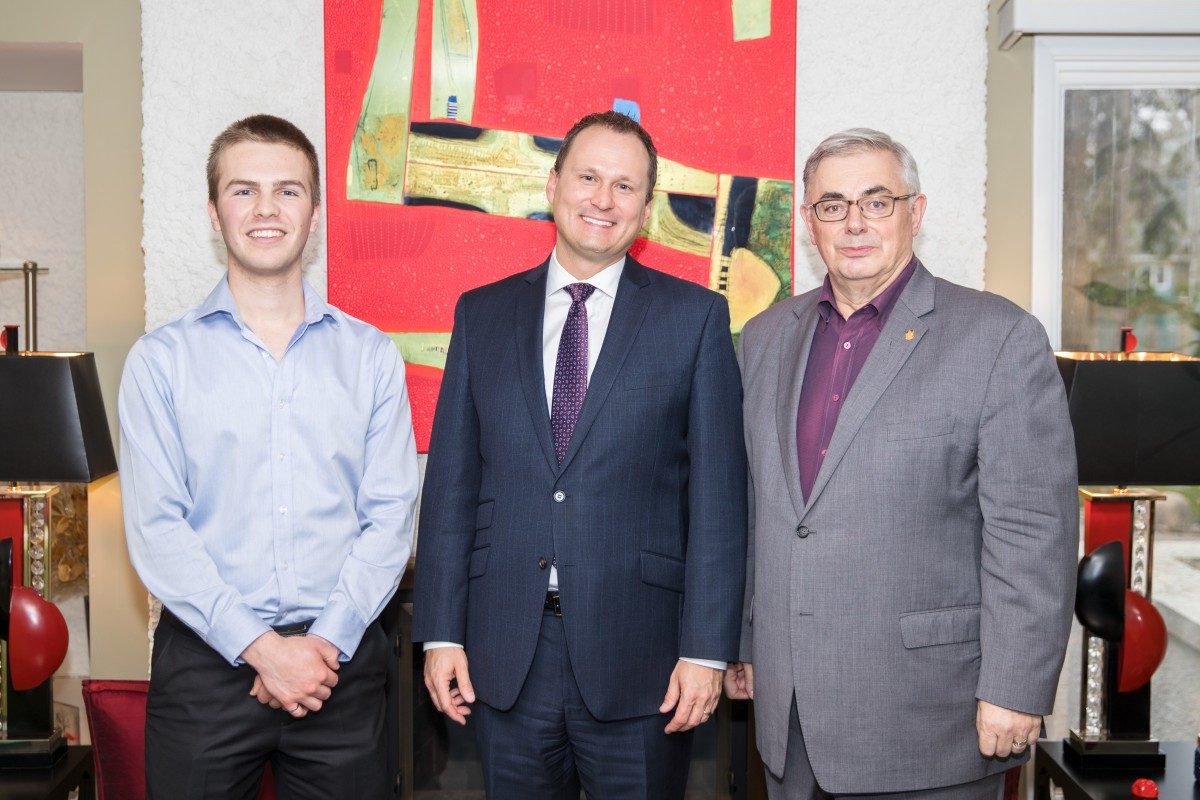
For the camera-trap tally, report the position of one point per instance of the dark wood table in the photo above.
(74, 771)
(1176, 783)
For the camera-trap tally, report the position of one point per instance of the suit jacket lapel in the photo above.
(629, 310)
(793, 350)
(888, 355)
(527, 323)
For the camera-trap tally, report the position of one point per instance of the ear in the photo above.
(213, 218)
(646, 211)
(809, 222)
(316, 217)
(551, 184)
(918, 212)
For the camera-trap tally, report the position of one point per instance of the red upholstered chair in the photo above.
(116, 712)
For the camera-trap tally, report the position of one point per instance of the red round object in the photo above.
(37, 638)
(1144, 787)
(1143, 645)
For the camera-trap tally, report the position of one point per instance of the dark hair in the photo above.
(619, 123)
(270, 130)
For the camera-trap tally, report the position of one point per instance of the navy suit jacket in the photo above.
(646, 516)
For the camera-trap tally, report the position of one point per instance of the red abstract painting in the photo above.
(443, 117)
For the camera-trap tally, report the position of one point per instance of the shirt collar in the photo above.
(606, 280)
(881, 305)
(220, 301)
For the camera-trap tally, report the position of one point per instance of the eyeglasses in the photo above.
(874, 206)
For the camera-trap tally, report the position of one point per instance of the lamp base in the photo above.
(1131, 754)
(17, 754)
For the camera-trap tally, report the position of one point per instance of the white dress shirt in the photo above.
(554, 318)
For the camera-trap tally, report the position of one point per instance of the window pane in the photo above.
(1131, 219)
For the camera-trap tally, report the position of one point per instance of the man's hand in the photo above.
(739, 680)
(297, 672)
(1003, 732)
(442, 666)
(693, 692)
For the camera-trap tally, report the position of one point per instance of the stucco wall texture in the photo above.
(41, 212)
(913, 69)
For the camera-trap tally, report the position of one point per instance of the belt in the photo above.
(553, 604)
(292, 629)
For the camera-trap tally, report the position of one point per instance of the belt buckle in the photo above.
(554, 603)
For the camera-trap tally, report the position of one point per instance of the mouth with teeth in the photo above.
(597, 222)
(266, 234)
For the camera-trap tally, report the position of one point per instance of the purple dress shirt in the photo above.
(839, 349)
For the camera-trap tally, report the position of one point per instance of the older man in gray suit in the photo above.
(913, 522)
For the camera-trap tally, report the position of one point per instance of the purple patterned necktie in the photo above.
(570, 370)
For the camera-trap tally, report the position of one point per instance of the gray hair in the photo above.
(859, 140)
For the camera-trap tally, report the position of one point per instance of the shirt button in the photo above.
(283, 510)
(281, 456)
(823, 452)
(845, 345)
(285, 566)
(542, 562)
(283, 404)
(802, 532)
(836, 397)
(560, 496)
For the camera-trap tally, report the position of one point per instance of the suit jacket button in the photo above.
(559, 496)
(802, 531)
(542, 562)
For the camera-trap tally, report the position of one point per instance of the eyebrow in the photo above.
(880, 189)
(255, 184)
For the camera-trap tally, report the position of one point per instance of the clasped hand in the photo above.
(294, 673)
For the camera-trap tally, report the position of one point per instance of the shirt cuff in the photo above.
(339, 624)
(431, 645)
(704, 662)
(234, 632)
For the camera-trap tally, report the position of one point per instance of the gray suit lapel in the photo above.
(793, 351)
(888, 355)
(527, 323)
(629, 309)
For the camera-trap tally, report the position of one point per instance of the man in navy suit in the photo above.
(582, 532)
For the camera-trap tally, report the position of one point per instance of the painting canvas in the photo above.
(444, 118)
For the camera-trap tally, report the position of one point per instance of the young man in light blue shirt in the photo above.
(268, 476)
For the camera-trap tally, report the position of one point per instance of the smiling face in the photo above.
(863, 255)
(598, 199)
(265, 208)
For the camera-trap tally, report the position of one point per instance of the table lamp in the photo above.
(1136, 418)
(53, 429)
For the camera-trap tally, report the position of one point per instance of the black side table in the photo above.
(1176, 783)
(75, 771)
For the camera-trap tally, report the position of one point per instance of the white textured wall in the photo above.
(205, 65)
(926, 90)
(41, 212)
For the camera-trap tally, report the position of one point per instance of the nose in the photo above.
(265, 205)
(855, 221)
(602, 198)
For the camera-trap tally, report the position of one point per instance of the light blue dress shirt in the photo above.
(260, 492)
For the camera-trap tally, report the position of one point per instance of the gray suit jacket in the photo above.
(934, 561)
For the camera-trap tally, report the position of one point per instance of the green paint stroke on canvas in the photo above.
(770, 231)
(454, 57)
(751, 19)
(426, 349)
(380, 147)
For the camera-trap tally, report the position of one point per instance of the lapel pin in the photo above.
(909, 335)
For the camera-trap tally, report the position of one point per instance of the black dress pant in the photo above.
(207, 737)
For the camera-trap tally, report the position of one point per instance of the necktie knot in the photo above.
(580, 291)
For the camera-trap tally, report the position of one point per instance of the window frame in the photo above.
(1084, 62)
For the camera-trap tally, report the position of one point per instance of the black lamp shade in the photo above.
(52, 423)
(1136, 417)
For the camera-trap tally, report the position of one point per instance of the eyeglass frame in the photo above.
(858, 203)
